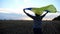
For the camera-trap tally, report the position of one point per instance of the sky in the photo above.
(16, 6)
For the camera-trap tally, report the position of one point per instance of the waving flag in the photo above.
(39, 11)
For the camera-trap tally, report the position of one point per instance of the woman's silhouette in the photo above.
(37, 29)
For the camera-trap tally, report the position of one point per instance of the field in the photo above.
(25, 27)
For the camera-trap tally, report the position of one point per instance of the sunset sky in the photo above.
(16, 6)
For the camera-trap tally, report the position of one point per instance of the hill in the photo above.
(57, 18)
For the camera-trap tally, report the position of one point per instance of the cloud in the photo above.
(26, 1)
(8, 10)
(49, 16)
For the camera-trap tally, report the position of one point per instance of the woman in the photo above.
(37, 29)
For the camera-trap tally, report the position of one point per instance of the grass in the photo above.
(26, 27)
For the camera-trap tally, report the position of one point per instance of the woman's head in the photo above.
(37, 15)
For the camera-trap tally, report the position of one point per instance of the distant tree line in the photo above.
(57, 18)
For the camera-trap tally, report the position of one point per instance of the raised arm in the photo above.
(45, 13)
(27, 13)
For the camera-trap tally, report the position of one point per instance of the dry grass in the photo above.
(25, 27)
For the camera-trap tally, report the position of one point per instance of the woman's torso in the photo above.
(37, 22)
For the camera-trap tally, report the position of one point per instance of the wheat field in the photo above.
(26, 27)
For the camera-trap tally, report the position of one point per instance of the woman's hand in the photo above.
(26, 9)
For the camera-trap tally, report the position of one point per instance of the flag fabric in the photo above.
(40, 10)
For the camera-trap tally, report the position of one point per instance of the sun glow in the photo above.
(28, 19)
(32, 19)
